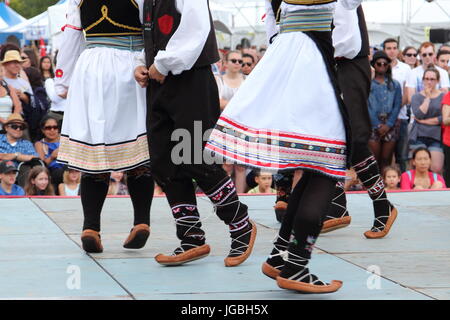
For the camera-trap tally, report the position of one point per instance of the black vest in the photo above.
(161, 20)
(365, 49)
(102, 18)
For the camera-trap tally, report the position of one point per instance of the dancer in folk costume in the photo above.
(351, 43)
(180, 46)
(295, 78)
(104, 123)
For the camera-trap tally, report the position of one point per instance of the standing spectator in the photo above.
(421, 177)
(400, 72)
(410, 57)
(117, 185)
(391, 177)
(32, 60)
(8, 47)
(9, 101)
(263, 180)
(14, 147)
(48, 148)
(427, 109)
(248, 63)
(443, 58)
(415, 83)
(71, 183)
(384, 106)
(446, 136)
(46, 68)
(8, 173)
(228, 85)
(39, 183)
(12, 67)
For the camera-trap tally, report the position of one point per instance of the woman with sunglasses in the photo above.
(48, 148)
(409, 56)
(385, 101)
(228, 85)
(427, 109)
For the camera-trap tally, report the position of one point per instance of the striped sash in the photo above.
(130, 43)
(306, 20)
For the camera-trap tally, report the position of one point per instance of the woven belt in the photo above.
(129, 43)
(306, 20)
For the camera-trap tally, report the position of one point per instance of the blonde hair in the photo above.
(66, 176)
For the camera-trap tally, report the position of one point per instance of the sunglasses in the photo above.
(411, 55)
(429, 79)
(24, 58)
(236, 61)
(382, 64)
(248, 64)
(17, 127)
(430, 54)
(51, 128)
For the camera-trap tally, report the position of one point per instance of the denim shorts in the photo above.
(429, 143)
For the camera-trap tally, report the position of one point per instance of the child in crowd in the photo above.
(71, 183)
(421, 177)
(39, 183)
(264, 181)
(117, 185)
(391, 178)
(8, 173)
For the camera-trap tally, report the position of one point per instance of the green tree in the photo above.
(31, 8)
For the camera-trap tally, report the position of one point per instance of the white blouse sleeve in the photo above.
(186, 44)
(350, 4)
(271, 25)
(71, 47)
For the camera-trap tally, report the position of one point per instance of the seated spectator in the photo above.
(264, 182)
(12, 67)
(421, 177)
(39, 183)
(427, 109)
(391, 178)
(9, 101)
(117, 184)
(248, 63)
(48, 147)
(71, 183)
(446, 136)
(385, 101)
(46, 68)
(8, 173)
(8, 47)
(14, 147)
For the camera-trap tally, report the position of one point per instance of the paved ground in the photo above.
(41, 258)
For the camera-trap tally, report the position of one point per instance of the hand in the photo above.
(63, 95)
(54, 154)
(428, 92)
(383, 129)
(141, 76)
(156, 75)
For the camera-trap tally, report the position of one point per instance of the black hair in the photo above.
(420, 149)
(246, 55)
(389, 40)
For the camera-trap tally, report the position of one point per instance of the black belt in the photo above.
(58, 112)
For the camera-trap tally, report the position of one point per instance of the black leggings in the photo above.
(307, 207)
(94, 189)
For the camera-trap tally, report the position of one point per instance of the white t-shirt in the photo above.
(401, 73)
(416, 75)
(19, 84)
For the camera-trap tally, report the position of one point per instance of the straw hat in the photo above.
(15, 118)
(12, 55)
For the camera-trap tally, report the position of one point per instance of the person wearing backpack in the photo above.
(421, 177)
(9, 102)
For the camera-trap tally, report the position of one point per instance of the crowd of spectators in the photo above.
(409, 109)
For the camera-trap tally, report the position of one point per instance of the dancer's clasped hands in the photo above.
(142, 75)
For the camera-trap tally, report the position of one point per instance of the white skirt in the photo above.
(104, 126)
(285, 115)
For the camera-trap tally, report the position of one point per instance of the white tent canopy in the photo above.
(409, 20)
